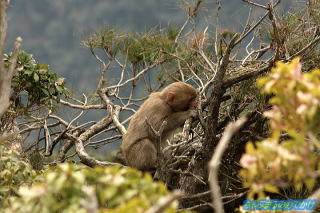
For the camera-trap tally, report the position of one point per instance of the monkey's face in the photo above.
(183, 102)
(180, 96)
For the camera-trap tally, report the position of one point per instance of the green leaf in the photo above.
(59, 88)
(270, 188)
(45, 91)
(28, 72)
(250, 148)
(298, 186)
(310, 183)
(35, 77)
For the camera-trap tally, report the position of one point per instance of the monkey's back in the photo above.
(155, 110)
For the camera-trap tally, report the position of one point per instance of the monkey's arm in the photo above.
(177, 119)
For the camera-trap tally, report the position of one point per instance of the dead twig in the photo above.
(315, 196)
(165, 202)
(6, 74)
(83, 155)
(230, 130)
(6, 77)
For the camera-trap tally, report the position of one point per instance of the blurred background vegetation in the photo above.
(53, 30)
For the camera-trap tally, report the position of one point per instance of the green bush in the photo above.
(74, 188)
(34, 84)
(14, 172)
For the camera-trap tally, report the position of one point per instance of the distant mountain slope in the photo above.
(52, 29)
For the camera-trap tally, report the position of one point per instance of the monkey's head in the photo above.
(180, 96)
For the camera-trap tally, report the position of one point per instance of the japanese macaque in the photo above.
(165, 110)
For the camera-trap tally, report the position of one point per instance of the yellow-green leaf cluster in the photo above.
(289, 156)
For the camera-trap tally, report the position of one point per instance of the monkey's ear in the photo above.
(170, 98)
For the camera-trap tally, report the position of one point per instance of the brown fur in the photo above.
(174, 104)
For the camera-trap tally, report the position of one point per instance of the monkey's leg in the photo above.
(143, 155)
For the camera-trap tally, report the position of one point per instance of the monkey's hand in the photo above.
(193, 113)
(178, 118)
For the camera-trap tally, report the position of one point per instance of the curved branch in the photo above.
(83, 155)
(113, 111)
(230, 130)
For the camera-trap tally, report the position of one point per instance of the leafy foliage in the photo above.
(105, 39)
(70, 188)
(137, 48)
(290, 154)
(14, 172)
(295, 31)
(34, 83)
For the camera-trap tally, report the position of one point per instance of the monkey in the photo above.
(170, 107)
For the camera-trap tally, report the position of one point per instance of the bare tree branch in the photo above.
(315, 196)
(4, 27)
(256, 4)
(84, 157)
(247, 32)
(165, 202)
(315, 41)
(76, 106)
(230, 130)
(6, 75)
(231, 81)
